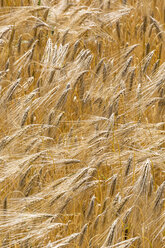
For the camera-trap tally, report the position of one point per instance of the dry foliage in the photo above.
(82, 123)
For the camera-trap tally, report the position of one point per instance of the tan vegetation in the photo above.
(82, 123)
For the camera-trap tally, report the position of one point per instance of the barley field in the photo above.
(82, 123)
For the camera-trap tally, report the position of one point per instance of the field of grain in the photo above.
(82, 123)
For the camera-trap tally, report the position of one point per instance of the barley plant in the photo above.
(82, 123)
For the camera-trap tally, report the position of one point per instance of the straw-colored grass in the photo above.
(82, 123)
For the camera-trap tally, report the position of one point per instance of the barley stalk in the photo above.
(148, 60)
(62, 99)
(127, 214)
(12, 89)
(159, 194)
(144, 24)
(131, 79)
(82, 234)
(129, 163)
(25, 115)
(91, 206)
(122, 204)
(118, 29)
(156, 25)
(113, 185)
(110, 235)
(127, 66)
